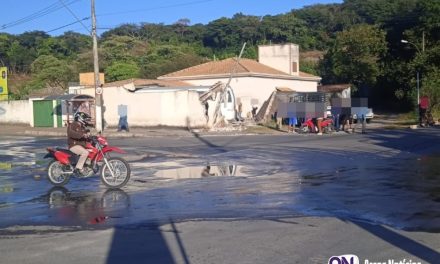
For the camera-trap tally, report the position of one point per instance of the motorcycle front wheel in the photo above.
(304, 129)
(121, 171)
(56, 173)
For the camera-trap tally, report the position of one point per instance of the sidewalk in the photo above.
(379, 122)
(25, 130)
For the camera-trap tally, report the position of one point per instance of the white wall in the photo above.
(166, 108)
(283, 57)
(15, 112)
(253, 89)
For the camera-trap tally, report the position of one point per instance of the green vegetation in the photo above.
(360, 40)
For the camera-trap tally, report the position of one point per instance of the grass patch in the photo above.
(409, 118)
(436, 113)
(263, 129)
(272, 124)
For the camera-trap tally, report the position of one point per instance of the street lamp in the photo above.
(407, 42)
(418, 81)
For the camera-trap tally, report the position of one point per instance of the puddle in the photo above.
(197, 172)
(62, 206)
(402, 193)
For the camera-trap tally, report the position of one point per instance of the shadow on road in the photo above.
(413, 141)
(208, 143)
(413, 247)
(146, 244)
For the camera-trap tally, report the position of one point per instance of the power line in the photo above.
(73, 23)
(73, 14)
(45, 11)
(130, 11)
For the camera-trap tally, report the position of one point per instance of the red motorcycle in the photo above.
(309, 126)
(115, 171)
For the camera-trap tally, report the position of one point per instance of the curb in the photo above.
(43, 133)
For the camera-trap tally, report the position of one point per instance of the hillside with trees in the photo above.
(360, 43)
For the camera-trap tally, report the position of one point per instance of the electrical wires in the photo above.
(65, 3)
(73, 23)
(73, 14)
(43, 12)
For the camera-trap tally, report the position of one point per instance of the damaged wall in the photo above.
(255, 91)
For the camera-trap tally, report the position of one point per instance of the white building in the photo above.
(152, 103)
(253, 81)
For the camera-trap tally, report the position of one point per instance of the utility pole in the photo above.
(98, 88)
(418, 74)
(223, 95)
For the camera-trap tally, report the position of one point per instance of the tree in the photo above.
(221, 34)
(75, 42)
(31, 39)
(5, 45)
(131, 30)
(355, 57)
(50, 71)
(122, 49)
(431, 87)
(53, 46)
(20, 57)
(157, 32)
(181, 26)
(162, 59)
(122, 71)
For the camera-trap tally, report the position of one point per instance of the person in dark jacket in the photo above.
(77, 135)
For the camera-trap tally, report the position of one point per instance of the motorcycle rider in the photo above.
(77, 135)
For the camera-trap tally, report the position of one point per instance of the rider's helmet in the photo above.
(82, 117)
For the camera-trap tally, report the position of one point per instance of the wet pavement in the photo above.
(388, 177)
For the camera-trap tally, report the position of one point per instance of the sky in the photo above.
(58, 16)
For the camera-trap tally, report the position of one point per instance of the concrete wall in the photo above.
(15, 112)
(158, 108)
(284, 58)
(253, 91)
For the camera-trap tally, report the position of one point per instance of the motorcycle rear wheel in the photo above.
(120, 168)
(56, 173)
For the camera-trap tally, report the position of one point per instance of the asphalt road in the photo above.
(235, 199)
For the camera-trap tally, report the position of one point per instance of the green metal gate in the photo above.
(43, 113)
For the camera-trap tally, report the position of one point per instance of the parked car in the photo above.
(369, 116)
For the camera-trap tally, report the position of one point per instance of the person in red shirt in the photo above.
(423, 108)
